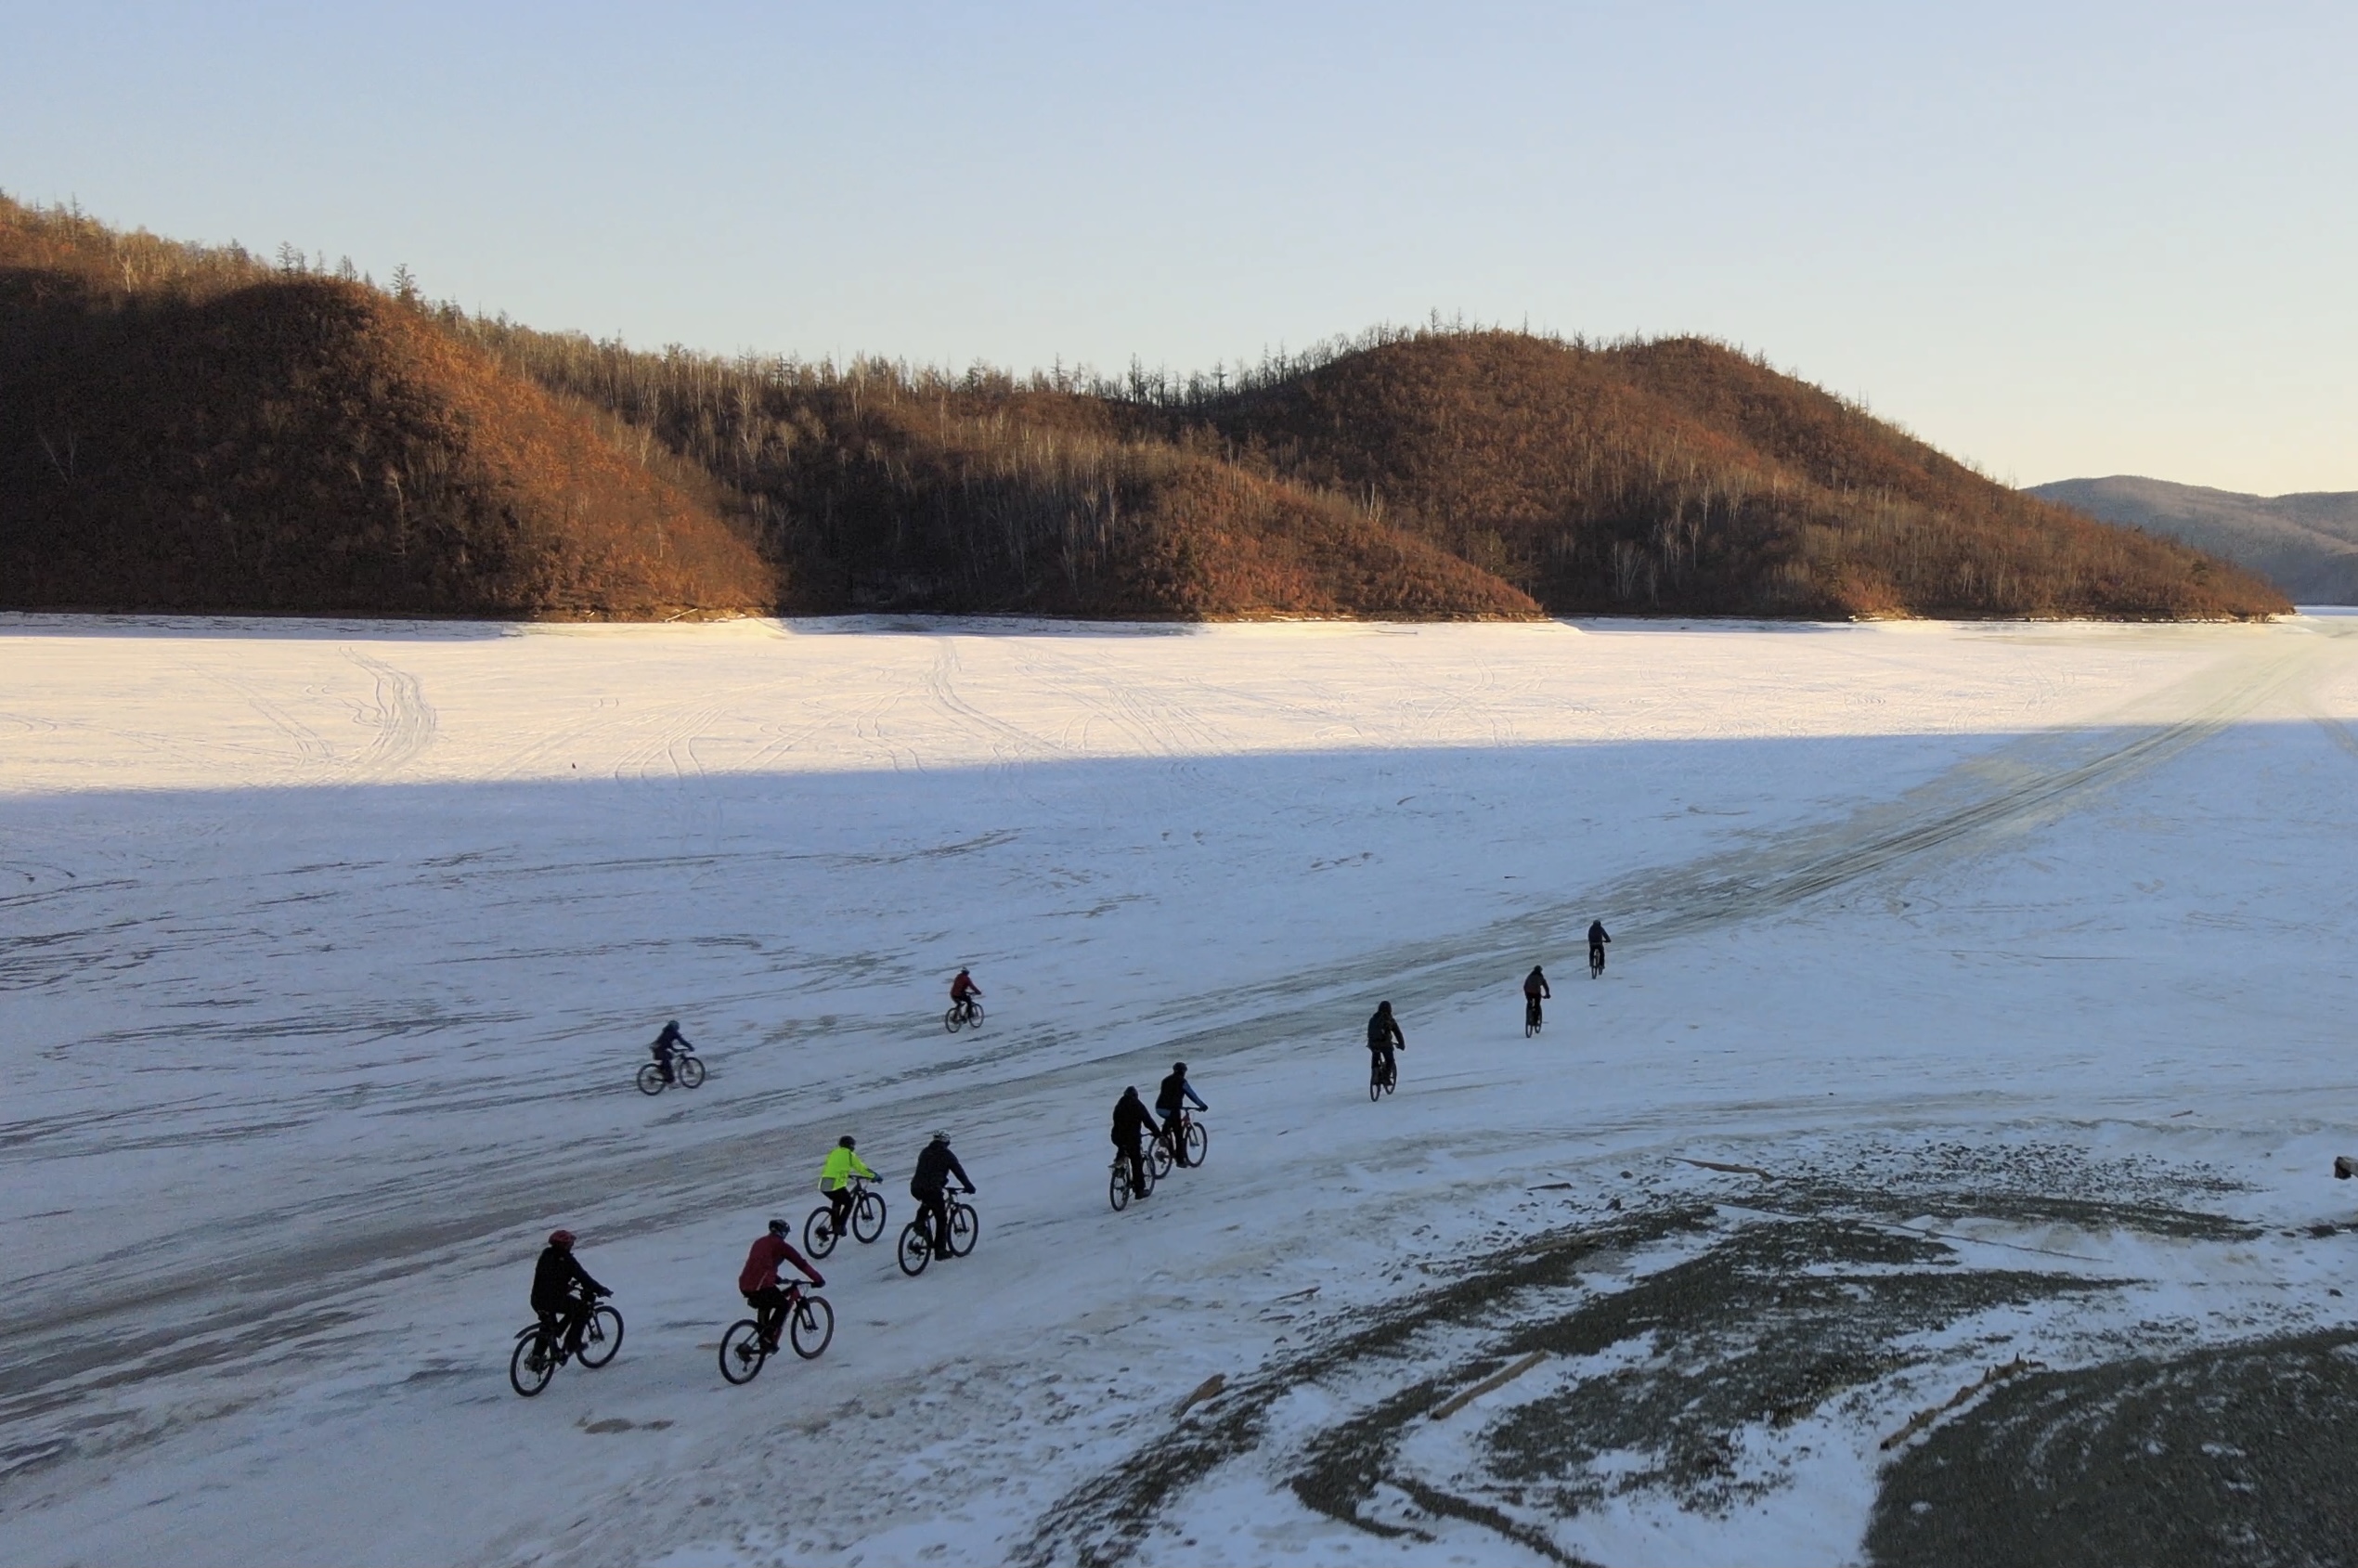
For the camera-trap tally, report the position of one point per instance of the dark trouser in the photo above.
(564, 1324)
(1136, 1154)
(769, 1306)
(933, 1207)
(1174, 1129)
(662, 1064)
(1382, 1064)
(839, 1200)
(1596, 955)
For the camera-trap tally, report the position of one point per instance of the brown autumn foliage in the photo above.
(242, 436)
(187, 430)
(1668, 477)
(1678, 475)
(880, 488)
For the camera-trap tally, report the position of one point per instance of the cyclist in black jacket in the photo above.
(663, 1049)
(930, 1187)
(1132, 1119)
(563, 1292)
(1384, 1036)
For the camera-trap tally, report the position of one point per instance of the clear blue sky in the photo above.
(2059, 241)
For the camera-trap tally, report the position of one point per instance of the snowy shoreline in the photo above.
(330, 956)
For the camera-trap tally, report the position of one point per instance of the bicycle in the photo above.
(810, 1328)
(1596, 962)
(685, 1068)
(1530, 1017)
(1194, 1137)
(1383, 1075)
(819, 1233)
(963, 1015)
(539, 1353)
(1118, 1188)
(916, 1238)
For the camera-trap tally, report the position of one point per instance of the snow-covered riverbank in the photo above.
(329, 950)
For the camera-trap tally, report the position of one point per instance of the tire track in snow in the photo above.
(310, 749)
(402, 719)
(2022, 787)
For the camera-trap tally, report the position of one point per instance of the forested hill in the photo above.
(194, 429)
(1678, 474)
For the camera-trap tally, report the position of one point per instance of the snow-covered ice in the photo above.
(329, 951)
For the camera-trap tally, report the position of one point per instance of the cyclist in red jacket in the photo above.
(963, 991)
(760, 1281)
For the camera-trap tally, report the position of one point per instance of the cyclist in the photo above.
(1170, 1105)
(963, 991)
(1534, 990)
(930, 1186)
(666, 1046)
(1596, 941)
(1130, 1118)
(759, 1280)
(563, 1293)
(835, 1178)
(1384, 1037)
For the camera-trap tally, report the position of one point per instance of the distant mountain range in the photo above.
(2306, 544)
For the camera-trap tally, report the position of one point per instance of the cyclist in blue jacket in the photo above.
(1170, 1103)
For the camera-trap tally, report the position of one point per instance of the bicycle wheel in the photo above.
(1198, 1143)
(1118, 1187)
(813, 1328)
(534, 1363)
(601, 1337)
(868, 1216)
(819, 1231)
(651, 1079)
(965, 1226)
(690, 1072)
(915, 1251)
(1375, 1083)
(954, 1020)
(741, 1351)
(1158, 1158)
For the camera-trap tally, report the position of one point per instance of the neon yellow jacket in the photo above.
(842, 1165)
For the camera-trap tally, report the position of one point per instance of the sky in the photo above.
(2057, 240)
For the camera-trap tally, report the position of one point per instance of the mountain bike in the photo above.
(963, 1015)
(1530, 1017)
(810, 1328)
(916, 1240)
(819, 1233)
(1383, 1074)
(539, 1352)
(685, 1068)
(1193, 1136)
(1118, 1189)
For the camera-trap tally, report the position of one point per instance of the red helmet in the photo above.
(562, 1240)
